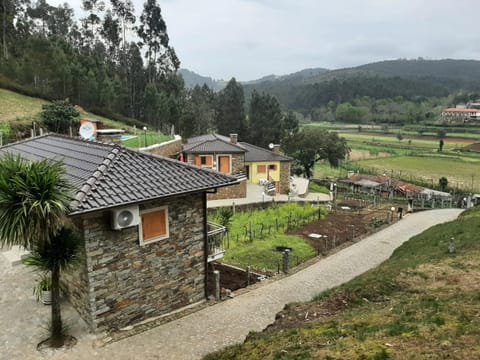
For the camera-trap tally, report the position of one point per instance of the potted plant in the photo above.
(43, 289)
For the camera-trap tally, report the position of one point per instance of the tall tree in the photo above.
(125, 11)
(34, 200)
(111, 34)
(93, 7)
(230, 117)
(153, 32)
(313, 144)
(264, 120)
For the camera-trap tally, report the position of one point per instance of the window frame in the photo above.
(158, 238)
(264, 167)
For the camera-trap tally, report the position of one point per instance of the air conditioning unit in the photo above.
(125, 217)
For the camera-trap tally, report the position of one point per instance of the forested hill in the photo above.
(467, 70)
(409, 79)
(191, 79)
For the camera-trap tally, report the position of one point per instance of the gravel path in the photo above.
(229, 322)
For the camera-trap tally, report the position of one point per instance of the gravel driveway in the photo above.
(214, 327)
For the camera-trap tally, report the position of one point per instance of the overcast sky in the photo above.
(249, 39)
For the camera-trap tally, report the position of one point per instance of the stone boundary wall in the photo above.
(168, 149)
(230, 192)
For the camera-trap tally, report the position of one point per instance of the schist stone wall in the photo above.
(126, 282)
(230, 192)
(284, 177)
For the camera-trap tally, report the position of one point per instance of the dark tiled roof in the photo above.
(211, 143)
(105, 175)
(218, 143)
(255, 153)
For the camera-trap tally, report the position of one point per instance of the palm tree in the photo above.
(54, 257)
(34, 199)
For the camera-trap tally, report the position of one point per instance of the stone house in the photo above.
(143, 221)
(245, 161)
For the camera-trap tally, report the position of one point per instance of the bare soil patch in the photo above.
(342, 226)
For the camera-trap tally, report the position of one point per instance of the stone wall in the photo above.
(284, 177)
(129, 283)
(230, 192)
(76, 284)
(238, 163)
(168, 149)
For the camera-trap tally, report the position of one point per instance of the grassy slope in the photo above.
(422, 303)
(17, 107)
(14, 106)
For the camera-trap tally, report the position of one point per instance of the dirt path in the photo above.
(229, 322)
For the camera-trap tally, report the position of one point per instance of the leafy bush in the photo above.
(59, 116)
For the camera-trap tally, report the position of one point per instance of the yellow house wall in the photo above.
(255, 177)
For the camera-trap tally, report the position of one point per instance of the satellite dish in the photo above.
(125, 218)
(86, 130)
(271, 145)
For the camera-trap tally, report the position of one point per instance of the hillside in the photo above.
(192, 79)
(14, 106)
(17, 111)
(464, 70)
(410, 79)
(421, 303)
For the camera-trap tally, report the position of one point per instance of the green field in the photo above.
(422, 303)
(459, 172)
(415, 158)
(268, 227)
(144, 140)
(408, 143)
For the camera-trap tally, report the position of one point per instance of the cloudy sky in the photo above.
(249, 39)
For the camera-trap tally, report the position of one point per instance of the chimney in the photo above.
(276, 149)
(233, 138)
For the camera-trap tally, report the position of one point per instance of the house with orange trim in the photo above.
(247, 162)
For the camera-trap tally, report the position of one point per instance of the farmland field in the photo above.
(460, 173)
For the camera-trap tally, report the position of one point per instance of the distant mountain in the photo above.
(385, 79)
(192, 78)
(296, 77)
(311, 88)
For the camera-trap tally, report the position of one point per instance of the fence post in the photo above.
(286, 261)
(251, 231)
(216, 276)
(248, 275)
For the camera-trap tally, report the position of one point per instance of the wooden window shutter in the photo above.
(198, 160)
(154, 224)
(261, 169)
(209, 160)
